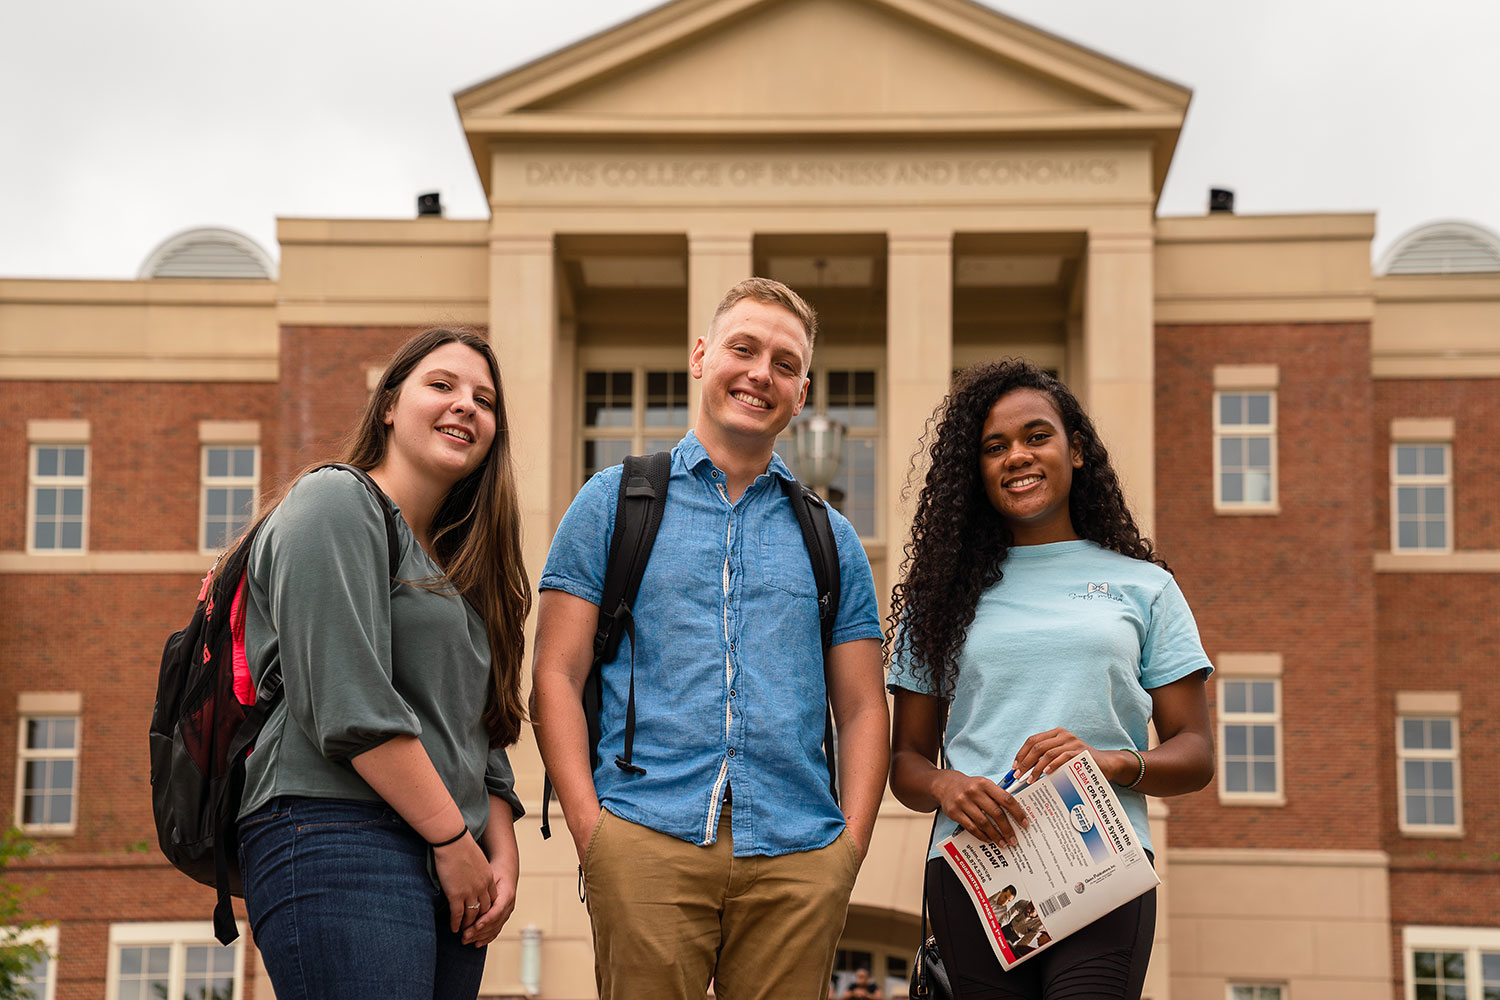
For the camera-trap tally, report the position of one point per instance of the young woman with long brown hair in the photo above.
(376, 833)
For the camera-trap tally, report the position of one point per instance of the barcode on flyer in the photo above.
(1055, 903)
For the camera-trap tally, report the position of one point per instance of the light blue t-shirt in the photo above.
(1073, 635)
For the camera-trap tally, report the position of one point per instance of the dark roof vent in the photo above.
(430, 203)
(1220, 200)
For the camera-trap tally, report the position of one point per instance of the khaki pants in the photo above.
(670, 916)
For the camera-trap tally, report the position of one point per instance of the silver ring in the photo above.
(473, 906)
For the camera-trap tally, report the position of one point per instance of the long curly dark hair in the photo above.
(958, 540)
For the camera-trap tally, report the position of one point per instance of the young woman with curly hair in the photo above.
(1034, 617)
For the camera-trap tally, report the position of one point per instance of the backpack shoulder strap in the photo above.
(638, 511)
(270, 683)
(392, 538)
(639, 505)
(823, 552)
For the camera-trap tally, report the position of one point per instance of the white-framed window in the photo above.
(229, 475)
(173, 961)
(1428, 783)
(1421, 497)
(633, 410)
(1250, 739)
(1245, 450)
(1256, 991)
(1451, 963)
(38, 980)
(47, 772)
(852, 397)
(58, 500)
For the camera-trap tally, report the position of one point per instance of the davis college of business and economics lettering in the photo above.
(711, 174)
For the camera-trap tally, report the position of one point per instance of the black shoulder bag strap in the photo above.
(929, 978)
(823, 550)
(638, 511)
(267, 694)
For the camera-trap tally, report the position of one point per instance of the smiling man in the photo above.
(727, 858)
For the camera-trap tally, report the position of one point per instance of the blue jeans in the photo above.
(342, 905)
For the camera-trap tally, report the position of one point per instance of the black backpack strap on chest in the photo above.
(638, 511)
(823, 551)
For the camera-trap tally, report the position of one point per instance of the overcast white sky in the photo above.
(123, 123)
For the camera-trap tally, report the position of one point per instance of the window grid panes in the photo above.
(183, 969)
(1421, 498)
(208, 972)
(1427, 779)
(59, 497)
(1245, 449)
(32, 982)
(35, 979)
(48, 761)
(631, 411)
(145, 972)
(1250, 738)
(1256, 991)
(1440, 975)
(849, 396)
(230, 475)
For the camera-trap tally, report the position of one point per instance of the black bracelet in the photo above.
(460, 835)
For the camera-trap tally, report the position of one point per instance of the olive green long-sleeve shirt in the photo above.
(364, 658)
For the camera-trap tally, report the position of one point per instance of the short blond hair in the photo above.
(772, 293)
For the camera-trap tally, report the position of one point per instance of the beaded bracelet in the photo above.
(1142, 760)
(455, 839)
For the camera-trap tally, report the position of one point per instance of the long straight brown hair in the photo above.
(476, 533)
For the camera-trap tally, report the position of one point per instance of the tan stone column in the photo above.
(716, 261)
(1119, 364)
(918, 364)
(523, 330)
(918, 368)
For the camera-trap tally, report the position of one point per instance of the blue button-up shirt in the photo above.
(729, 689)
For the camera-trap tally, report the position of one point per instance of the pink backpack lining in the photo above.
(244, 687)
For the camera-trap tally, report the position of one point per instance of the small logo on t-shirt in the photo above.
(1095, 592)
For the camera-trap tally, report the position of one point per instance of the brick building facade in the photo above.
(1311, 439)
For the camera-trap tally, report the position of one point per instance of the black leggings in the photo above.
(1105, 959)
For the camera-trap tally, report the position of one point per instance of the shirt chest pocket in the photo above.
(784, 562)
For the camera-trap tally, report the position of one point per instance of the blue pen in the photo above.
(1008, 780)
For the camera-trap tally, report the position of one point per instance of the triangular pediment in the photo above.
(807, 68)
(824, 58)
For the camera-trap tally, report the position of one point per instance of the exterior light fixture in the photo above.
(819, 444)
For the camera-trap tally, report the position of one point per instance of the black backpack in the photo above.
(201, 733)
(638, 511)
